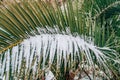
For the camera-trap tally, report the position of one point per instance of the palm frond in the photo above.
(35, 36)
(45, 50)
(106, 8)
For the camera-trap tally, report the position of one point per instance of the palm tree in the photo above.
(39, 41)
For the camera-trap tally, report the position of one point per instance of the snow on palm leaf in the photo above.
(44, 50)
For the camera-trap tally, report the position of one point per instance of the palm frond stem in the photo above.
(107, 8)
(10, 46)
